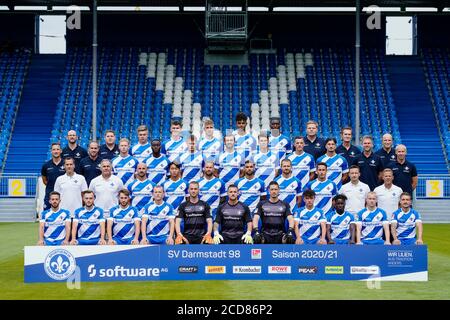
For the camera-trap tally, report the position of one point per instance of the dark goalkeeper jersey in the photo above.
(273, 216)
(232, 219)
(194, 216)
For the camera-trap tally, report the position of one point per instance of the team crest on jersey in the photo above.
(62, 167)
(361, 190)
(77, 154)
(352, 153)
(317, 144)
(373, 161)
(112, 184)
(392, 157)
(406, 169)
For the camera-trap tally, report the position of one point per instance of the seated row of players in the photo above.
(271, 223)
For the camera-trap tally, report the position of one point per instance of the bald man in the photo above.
(405, 172)
(387, 152)
(73, 150)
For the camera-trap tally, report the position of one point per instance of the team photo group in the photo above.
(242, 188)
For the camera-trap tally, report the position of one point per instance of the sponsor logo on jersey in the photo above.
(247, 269)
(216, 269)
(308, 270)
(187, 269)
(334, 270)
(280, 269)
(256, 254)
(364, 270)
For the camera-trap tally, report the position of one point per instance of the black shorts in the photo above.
(269, 239)
(193, 239)
(228, 240)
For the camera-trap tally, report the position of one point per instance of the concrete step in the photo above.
(433, 210)
(17, 209)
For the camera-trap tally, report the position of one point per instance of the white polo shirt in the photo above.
(388, 199)
(70, 188)
(106, 192)
(356, 196)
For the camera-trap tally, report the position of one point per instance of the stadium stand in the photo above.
(436, 63)
(13, 68)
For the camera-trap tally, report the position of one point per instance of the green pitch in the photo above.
(14, 236)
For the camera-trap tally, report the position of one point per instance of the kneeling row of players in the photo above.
(233, 222)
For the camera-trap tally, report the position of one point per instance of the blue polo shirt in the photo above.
(52, 171)
(315, 148)
(78, 153)
(90, 168)
(387, 157)
(403, 174)
(370, 167)
(107, 153)
(349, 154)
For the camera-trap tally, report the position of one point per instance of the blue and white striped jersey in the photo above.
(157, 169)
(309, 223)
(210, 148)
(192, 165)
(229, 165)
(176, 192)
(158, 226)
(123, 228)
(290, 188)
(281, 144)
(340, 226)
(406, 224)
(372, 225)
(245, 144)
(173, 149)
(124, 168)
(88, 224)
(250, 192)
(337, 165)
(266, 165)
(211, 191)
(325, 191)
(302, 166)
(55, 226)
(141, 193)
(141, 151)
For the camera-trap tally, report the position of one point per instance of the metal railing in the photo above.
(18, 186)
(433, 187)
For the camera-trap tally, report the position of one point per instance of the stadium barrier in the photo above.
(225, 262)
(433, 186)
(18, 185)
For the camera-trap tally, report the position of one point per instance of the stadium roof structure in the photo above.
(268, 5)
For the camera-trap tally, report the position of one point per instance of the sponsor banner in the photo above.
(225, 262)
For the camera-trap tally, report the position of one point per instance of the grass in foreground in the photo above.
(14, 236)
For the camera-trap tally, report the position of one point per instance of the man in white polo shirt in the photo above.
(106, 188)
(388, 194)
(355, 191)
(70, 185)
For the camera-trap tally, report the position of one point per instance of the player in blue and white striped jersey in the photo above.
(325, 189)
(209, 145)
(245, 143)
(406, 223)
(191, 161)
(176, 145)
(124, 165)
(277, 142)
(340, 223)
(123, 224)
(229, 162)
(142, 149)
(54, 224)
(290, 186)
(157, 164)
(212, 189)
(266, 162)
(337, 166)
(371, 223)
(141, 188)
(251, 189)
(175, 188)
(88, 227)
(303, 164)
(158, 220)
(310, 222)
